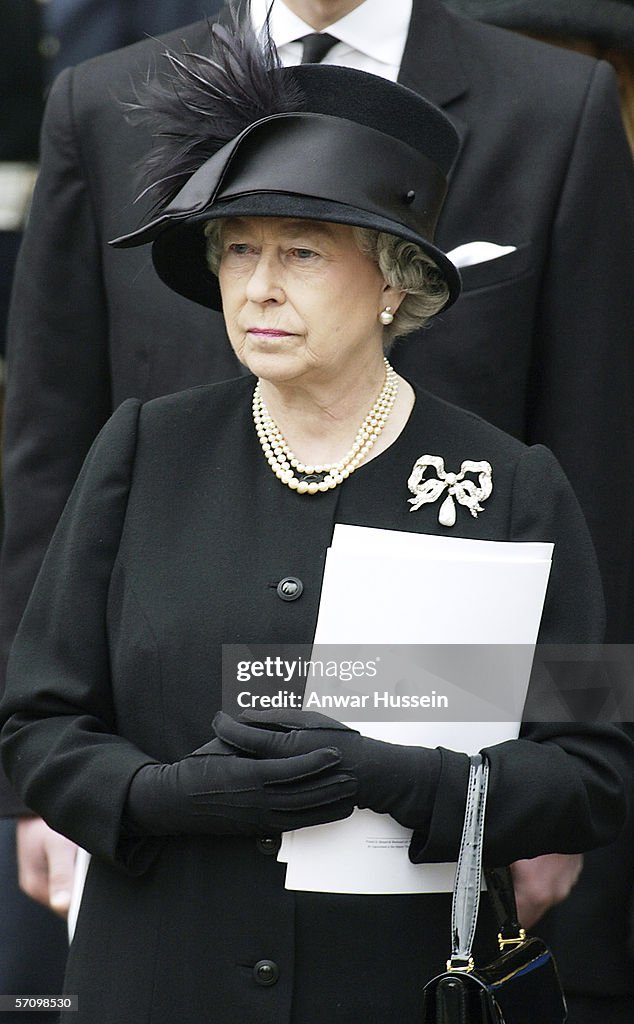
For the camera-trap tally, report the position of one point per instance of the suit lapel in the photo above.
(432, 62)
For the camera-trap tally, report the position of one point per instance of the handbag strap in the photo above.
(502, 894)
(466, 893)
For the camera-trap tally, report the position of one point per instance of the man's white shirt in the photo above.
(371, 38)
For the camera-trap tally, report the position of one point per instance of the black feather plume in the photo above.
(202, 101)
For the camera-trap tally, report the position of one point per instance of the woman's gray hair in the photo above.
(213, 234)
(403, 264)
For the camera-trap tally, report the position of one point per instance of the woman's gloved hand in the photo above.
(392, 779)
(217, 790)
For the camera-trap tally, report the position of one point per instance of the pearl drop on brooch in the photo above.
(447, 513)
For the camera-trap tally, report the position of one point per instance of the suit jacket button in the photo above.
(268, 844)
(266, 972)
(290, 588)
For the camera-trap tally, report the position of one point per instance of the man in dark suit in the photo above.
(540, 343)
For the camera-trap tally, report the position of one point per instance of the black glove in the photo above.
(392, 779)
(215, 791)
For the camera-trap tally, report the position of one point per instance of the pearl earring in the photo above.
(386, 316)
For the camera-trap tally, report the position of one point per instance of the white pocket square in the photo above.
(478, 252)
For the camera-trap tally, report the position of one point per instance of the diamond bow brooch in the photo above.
(465, 492)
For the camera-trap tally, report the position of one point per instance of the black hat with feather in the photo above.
(239, 135)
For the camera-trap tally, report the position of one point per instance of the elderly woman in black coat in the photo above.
(304, 202)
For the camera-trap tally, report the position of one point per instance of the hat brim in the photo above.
(179, 251)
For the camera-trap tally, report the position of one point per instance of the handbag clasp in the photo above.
(520, 938)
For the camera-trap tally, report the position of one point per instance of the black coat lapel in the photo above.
(433, 64)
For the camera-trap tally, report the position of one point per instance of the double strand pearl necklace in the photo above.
(311, 479)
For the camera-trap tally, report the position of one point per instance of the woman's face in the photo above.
(301, 303)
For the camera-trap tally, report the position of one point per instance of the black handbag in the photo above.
(521, 986)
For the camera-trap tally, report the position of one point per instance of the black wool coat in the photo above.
(172, 544)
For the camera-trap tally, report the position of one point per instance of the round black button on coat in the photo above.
(268, 844)
(266, 972)
(290, 588)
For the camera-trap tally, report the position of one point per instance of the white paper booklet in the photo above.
(390, 588)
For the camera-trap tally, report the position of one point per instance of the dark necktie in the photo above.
(315, 46)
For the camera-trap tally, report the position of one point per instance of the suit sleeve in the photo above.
(582, 400)
(59, 742)
(58, 392)
(560, 787)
